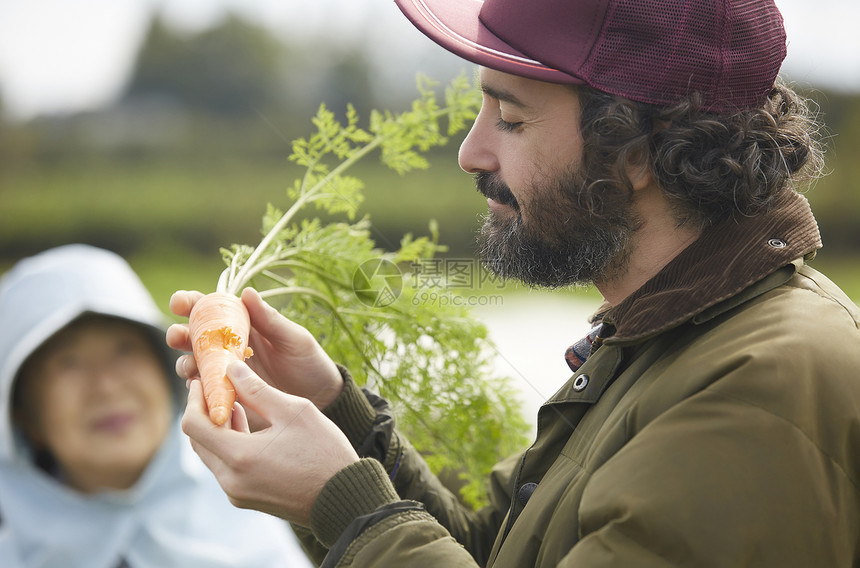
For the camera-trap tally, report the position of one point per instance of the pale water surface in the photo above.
(531, 332)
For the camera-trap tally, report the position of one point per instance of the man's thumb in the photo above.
(252, 391)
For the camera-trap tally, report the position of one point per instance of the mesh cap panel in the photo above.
(663, 54)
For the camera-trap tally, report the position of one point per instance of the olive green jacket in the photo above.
(718, 424)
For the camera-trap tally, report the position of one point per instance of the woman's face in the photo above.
(97, 398)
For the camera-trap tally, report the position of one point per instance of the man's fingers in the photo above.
(178, 337)
(195, 409)
(197, 424)
(239, 420)
(186, 367)
(182, 301)
(255, 394)
(270, 322)
(263, 316)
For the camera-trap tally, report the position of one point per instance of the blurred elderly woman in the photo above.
(94, 470)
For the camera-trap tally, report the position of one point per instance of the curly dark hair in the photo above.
(710, 166)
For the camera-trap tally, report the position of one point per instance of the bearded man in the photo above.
(646, 147)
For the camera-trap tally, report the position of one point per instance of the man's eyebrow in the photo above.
(503, 96)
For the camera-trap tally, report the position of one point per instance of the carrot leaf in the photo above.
(368, 307)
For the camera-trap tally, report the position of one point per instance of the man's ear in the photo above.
(639, 173)
(639, 170)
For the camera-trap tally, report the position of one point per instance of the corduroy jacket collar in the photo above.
(723, 261)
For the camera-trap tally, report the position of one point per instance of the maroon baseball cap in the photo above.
(651, 51)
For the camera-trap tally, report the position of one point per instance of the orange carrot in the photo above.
(219, 326)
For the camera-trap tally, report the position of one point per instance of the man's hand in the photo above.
(279, 470)
(286, 355)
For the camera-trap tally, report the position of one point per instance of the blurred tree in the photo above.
(336, 75)
(344, 78)
(229, 69)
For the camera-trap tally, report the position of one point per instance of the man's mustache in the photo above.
(490, 185)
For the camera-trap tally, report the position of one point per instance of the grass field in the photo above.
(171, 219)
(143, 205)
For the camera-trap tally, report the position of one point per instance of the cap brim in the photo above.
(456, 26)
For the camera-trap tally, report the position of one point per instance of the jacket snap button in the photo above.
(525, 492)
(580, 383)
(777, 243)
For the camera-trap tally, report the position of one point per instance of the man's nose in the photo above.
(476, 151)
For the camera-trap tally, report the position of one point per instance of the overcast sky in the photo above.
(68, 55)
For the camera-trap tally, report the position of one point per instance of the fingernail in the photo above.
(239, 370)
(186, 366)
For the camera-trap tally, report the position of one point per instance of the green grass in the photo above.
(136, 207)
(164, 272)
(170, 219)
(843, 270)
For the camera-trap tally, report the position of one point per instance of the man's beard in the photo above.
(563, 242)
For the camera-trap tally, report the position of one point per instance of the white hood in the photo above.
(176, 515)
(43, 293)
